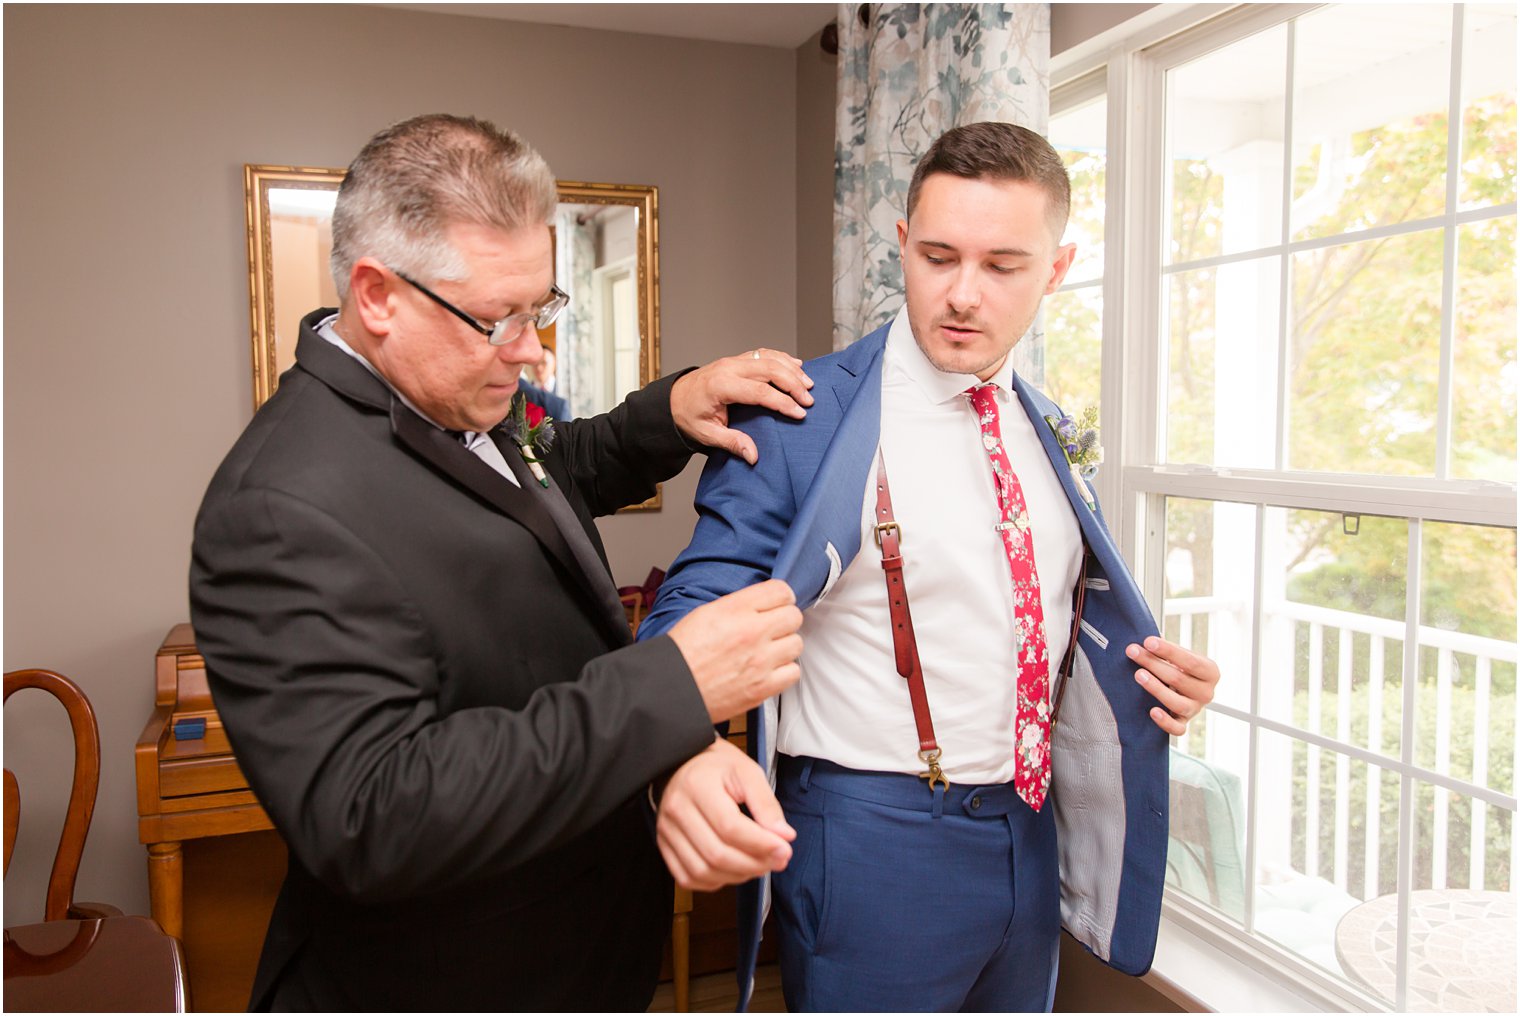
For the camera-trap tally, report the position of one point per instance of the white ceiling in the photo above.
(782, 25)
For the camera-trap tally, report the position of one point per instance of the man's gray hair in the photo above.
(414, 180)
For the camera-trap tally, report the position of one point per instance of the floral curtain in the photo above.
(912, 73)
(574, 258)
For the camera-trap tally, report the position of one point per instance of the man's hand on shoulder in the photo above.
(1182, 681)
(707, 842)
(699, 401)
(742, 648)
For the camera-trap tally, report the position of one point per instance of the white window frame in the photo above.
(1132, 60)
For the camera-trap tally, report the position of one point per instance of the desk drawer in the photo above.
(184, 777)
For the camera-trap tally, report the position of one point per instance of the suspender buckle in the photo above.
(882, 528)
(935, 775)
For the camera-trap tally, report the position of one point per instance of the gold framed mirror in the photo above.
(607, 256)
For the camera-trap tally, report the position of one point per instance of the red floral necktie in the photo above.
(1031, 774)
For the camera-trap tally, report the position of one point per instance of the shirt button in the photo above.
(976, 802)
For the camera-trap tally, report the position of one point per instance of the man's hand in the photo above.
(699, 401)
(707, 842)
(1182, 681)
(742, 648)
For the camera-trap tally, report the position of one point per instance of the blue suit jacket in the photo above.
(796, 516)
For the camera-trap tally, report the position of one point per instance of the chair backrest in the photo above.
(76, 824)
(1206, 855)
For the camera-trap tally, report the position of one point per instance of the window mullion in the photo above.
(1112, 394)
(1137, 407)
(1449, 250)
(1285, 267)
(1407, 756)
(1254, 732)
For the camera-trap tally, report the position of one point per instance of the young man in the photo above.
(929, 812)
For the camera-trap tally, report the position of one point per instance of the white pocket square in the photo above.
(834, 568)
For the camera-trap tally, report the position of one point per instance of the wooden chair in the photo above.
(633, 606)
(60, 903)
(83, 956)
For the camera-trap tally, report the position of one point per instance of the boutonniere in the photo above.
(533, 430)
(1078, 438)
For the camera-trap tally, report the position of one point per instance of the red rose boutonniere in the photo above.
(533, 430)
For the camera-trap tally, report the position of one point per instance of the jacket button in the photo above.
(976, 802)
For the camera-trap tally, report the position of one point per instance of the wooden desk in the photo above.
(200, 821)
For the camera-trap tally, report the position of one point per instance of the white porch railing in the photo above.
(1365, 645)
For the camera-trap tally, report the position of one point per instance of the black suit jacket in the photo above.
(439, 707)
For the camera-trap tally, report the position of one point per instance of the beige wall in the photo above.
(1071, 23)
(816, 86)
(127, 370)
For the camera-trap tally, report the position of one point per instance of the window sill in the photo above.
(1203, 971)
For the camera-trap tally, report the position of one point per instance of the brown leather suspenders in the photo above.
(905, 645)
(889, 539)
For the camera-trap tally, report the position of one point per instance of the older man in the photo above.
(410, 629)
(932, 760)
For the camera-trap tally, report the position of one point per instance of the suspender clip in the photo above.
(935, 775)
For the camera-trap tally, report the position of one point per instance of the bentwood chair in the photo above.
(83, 956)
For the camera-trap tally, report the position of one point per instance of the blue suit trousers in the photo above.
(888, 906)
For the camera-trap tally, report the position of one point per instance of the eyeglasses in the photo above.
(510, 327)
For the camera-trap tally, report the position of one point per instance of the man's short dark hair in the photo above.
(998, 151)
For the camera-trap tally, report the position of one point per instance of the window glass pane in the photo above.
(1337, 848)
(1206, 850)
(1465, 712)
(1333, 627)
(1483, 383)
(1209, 588)
(1080, 134)
(1222, 364)
(1488, 104)
(1370, 98)
(1074, 348)
(1224, 138)
(1365, 340)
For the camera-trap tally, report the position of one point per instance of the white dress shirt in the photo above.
(475, 441)
(851, 706)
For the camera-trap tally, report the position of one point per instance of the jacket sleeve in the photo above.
(616, 459)
(743, 513)
(329, 685)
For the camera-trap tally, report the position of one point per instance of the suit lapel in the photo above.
(1036, 406)
(524, 505)
(452, 459)
(594, 572)
(829, 515)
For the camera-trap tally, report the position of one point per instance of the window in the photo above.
(1310, 295)
(1074, 313)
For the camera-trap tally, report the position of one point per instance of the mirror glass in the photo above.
(594, 356)
(606, 256)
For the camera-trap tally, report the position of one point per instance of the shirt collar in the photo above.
(938, 386)
(328, 329)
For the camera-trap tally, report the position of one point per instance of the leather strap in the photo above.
(889, 539)
(1063, 677)
(905, 644)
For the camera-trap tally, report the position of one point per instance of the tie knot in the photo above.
(983, 395)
